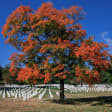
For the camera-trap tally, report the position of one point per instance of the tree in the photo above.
(53, 44)
(106, 76)
(6, 77)
(0, 73)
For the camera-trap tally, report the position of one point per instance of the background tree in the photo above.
(106, 76)
(0, 73)
(53, 44)
(6, 76)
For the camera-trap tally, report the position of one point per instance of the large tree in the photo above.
(52, 43)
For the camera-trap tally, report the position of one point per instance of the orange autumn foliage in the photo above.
(52, 43)
(88, 76)
(95, 53)
(29, 74)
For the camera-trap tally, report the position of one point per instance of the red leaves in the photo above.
(13, 70)
(15, 58)
(45, 9)
(61, 17)
(47, 77)
(93, 52)
(80, 33)
(62, 75)
(88, 76)
(55, 34)
(44, 48)
(63, 44)
(30, 74)
(14, 21)
(29, 45)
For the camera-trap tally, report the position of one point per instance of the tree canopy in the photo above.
(52, 43)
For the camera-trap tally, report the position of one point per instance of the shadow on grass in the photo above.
(94, 101)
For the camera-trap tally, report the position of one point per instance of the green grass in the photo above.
(76, 102)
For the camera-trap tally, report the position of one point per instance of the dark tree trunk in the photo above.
(61, 89)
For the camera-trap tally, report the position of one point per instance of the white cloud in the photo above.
(108, 40)
(103, 34)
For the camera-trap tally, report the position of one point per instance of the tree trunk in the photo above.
(61, 89)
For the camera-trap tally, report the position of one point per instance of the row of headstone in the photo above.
(88, 89)
(55, 85)
(25, 93)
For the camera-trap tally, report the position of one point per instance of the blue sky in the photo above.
(98, 20)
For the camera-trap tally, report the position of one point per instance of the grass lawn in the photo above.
(76, 102)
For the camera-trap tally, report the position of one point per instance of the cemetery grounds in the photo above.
(47, 100)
